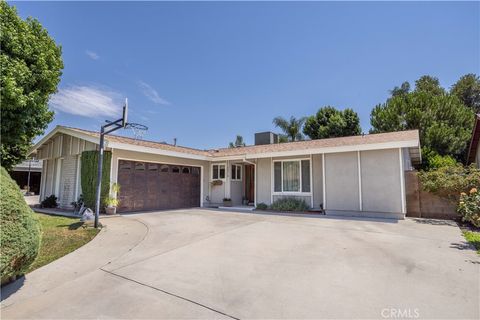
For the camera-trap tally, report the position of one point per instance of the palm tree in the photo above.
(291, 128)
(238, 142)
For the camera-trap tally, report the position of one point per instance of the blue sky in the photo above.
(204, 72)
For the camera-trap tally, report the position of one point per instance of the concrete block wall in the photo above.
(423, 204)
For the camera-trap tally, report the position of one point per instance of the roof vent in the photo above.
(265, 138)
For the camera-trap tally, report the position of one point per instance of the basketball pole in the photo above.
(106, 129)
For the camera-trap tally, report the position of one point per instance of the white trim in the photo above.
(402, 182)
(218, 164)
(164, 162)
(311, 181)
(70, 147)
(292, 193)
(58, 175)
(131, 147)
(307, 151)
(272, 180)
(77, 176)
(323, 183)
(359, 181)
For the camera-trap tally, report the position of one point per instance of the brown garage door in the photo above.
(150, 186)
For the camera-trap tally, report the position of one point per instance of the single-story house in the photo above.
(474, 149)
(359, 175)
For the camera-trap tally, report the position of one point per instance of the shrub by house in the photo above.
(20, 230)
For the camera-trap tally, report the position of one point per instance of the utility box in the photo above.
(265, 138)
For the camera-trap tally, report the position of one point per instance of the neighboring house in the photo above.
(27, 175)
(360, 175)
(474, 149)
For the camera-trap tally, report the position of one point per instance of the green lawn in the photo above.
(473, 238)
(60, 236)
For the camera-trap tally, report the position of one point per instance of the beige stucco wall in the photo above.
(264, 181)
(381, 187)
(118, 154)
(317, 183)
(341, 181)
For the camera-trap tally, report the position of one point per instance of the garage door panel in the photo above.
(148, 186)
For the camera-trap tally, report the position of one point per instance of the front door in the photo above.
(250, 183)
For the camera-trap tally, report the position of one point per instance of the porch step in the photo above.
(239, 208)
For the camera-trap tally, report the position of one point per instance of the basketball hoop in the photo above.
(138, 129)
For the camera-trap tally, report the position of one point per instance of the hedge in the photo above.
(19, 232)
(89, 177)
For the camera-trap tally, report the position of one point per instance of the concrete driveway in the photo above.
(213, 264)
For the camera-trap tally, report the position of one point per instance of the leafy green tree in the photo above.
(238, 142)
(329, 122)
(291, 128)
(467, 89)
(31, 66)
(444, 122)
(430, 85)
(402, 90)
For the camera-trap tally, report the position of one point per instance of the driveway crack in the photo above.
(171, 294)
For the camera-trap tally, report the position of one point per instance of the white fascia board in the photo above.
(60, 129)
(361, 147)
(132, 147)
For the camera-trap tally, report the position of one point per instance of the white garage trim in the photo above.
(359, 181)
(323, 183)
(402, 180)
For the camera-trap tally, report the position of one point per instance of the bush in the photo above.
(49, 202)
(19, 232)
(289, 204)
(262, 206)
(469, 207)
(88, 179)
(438, 161)
(450, 181)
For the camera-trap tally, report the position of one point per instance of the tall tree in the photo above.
(329, 122)
(31, 67)
(430, 85)
(444, 122)
(402, 90)
(467, 89)
(291, 128)
(238, 142)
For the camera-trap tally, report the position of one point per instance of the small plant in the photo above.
(262, 206)
(49, 202)
(216, 182)
(469, 207)
(111, 202)
(289, 204)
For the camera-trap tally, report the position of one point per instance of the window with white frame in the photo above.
(236, 172)
(218, 171)
(291, 176)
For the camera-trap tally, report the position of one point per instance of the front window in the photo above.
(236, 172)
(218, 171)
(291, 176)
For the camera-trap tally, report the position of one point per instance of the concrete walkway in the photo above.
(214, 264)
